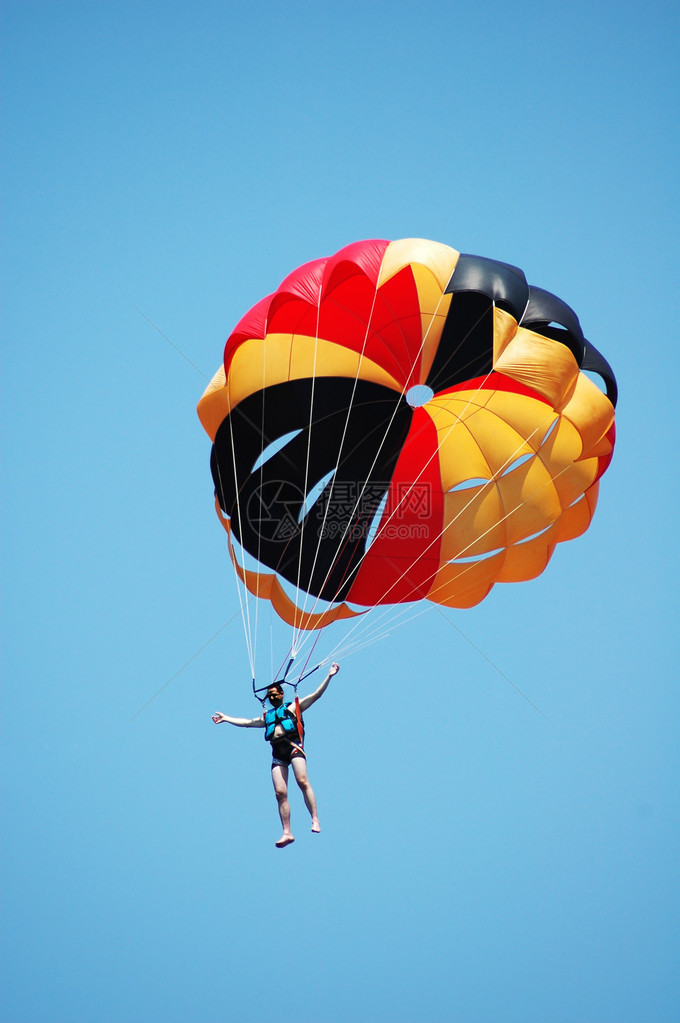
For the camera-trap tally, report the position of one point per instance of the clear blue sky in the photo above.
(480, 862)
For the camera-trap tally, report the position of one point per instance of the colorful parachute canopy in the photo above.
(400, 421)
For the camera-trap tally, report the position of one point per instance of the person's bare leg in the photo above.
(300, 772)
(280, 780)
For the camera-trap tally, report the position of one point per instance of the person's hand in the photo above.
(218, 718)
(334, 669)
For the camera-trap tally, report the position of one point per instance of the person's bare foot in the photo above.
(316, 827)
(284, 841)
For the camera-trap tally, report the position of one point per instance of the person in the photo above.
(282, 729)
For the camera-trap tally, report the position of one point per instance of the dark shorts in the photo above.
(283, 753)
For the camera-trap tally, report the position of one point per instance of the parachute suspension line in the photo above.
(296, 629)
(507, 515)
(264, 689)
(434, 416)
(413, 363)
(372, 622)
(462, 551)
(404, 497)
(288, 668)
(363, 625)
(367, 625)
(243, 603)
(371, 640)
(311, 671)
(309, 655)
(375, 632)
(294, 685)
(407, 375)
(340, 450)
(344, 537)
(429, 461)
(246, 614)
(289, 657)
(528, 538)
(262, 442)
(474, 498)
(271, 643)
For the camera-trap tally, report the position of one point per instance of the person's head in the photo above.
(275, 694)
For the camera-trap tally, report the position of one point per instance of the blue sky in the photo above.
(480, 862)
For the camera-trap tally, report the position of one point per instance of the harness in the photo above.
(287, 719)
(291, 722)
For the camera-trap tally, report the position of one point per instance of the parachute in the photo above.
(402, 422)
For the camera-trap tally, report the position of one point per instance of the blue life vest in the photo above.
(281, 716)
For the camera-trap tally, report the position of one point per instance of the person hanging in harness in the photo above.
(284, 729)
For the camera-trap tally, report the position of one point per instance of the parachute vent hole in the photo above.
(419, 395)
(550, 429)
(314, 494)
(534, 536)
(469, 485)
(375, 523)
(274, 448)
(517, 463)
(485, 555)
(472, 559)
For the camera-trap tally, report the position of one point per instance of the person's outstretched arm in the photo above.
(219, 718)
(307, 701)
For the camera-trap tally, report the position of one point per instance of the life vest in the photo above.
(285, 717)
